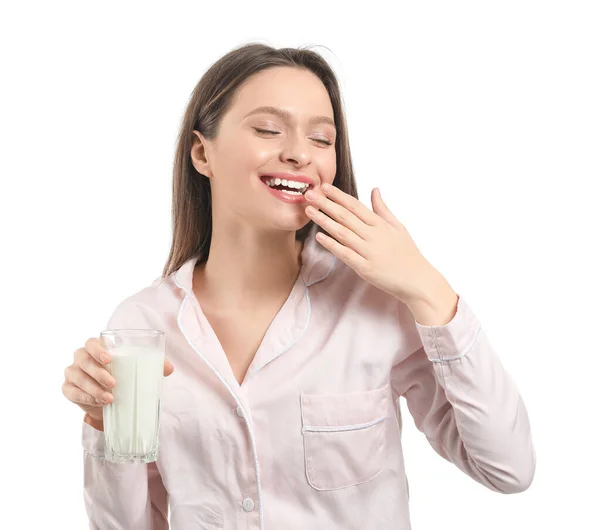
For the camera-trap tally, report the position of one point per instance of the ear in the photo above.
(198, 154)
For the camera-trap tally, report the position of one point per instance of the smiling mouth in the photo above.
(291, 187)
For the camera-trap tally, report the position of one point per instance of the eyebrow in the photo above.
(284, 114)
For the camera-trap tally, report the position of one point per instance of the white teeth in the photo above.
(301, 186)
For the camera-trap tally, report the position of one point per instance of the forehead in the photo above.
(299, 92)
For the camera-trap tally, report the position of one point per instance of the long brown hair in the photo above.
(210, 100)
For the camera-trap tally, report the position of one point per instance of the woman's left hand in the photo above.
(373, 243)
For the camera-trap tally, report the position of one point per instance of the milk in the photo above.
(131, 421)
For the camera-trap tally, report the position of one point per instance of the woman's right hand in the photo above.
(88, 383)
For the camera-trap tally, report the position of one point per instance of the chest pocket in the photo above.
(344, 437)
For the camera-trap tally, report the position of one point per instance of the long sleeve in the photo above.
(466, 404)
(122, 496)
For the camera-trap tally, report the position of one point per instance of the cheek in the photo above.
(252, 154)
(241, 160)
(328, 169)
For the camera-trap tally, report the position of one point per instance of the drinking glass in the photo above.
(132, 419)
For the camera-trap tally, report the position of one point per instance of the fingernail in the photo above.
(106, 397)
(104, 358)
(97, 401)
(326, 187)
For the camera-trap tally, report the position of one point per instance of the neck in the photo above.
(246, 267)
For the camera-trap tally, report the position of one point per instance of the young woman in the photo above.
(295, 318)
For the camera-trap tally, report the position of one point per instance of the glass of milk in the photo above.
(131, 421)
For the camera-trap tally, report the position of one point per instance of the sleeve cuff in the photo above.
(454, 339)
(92, 440)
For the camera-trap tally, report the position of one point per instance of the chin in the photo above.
(291, 224)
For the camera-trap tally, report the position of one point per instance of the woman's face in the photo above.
(241, 152)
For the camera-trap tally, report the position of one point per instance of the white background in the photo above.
(480, 121)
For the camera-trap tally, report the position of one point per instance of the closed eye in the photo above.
(265, 131)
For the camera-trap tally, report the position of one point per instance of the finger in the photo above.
(88, 384)
(342, 234)
(169, 368)
(352, 204)
(338, 212)
(76, 395)
(96, 349)
(91, 367)
(96, 423)
(347, 255)
(382, 209)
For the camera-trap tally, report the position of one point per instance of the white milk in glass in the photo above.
(131, 421)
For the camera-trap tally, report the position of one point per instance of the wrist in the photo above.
(438, 303)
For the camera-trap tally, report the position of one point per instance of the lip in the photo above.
(281, 195)
(290, 176)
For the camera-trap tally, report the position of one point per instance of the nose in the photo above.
(296, 151)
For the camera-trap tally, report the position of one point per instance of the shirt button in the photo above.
(239, 412)
(248, 505)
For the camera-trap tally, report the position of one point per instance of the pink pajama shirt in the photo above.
(311, 439)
